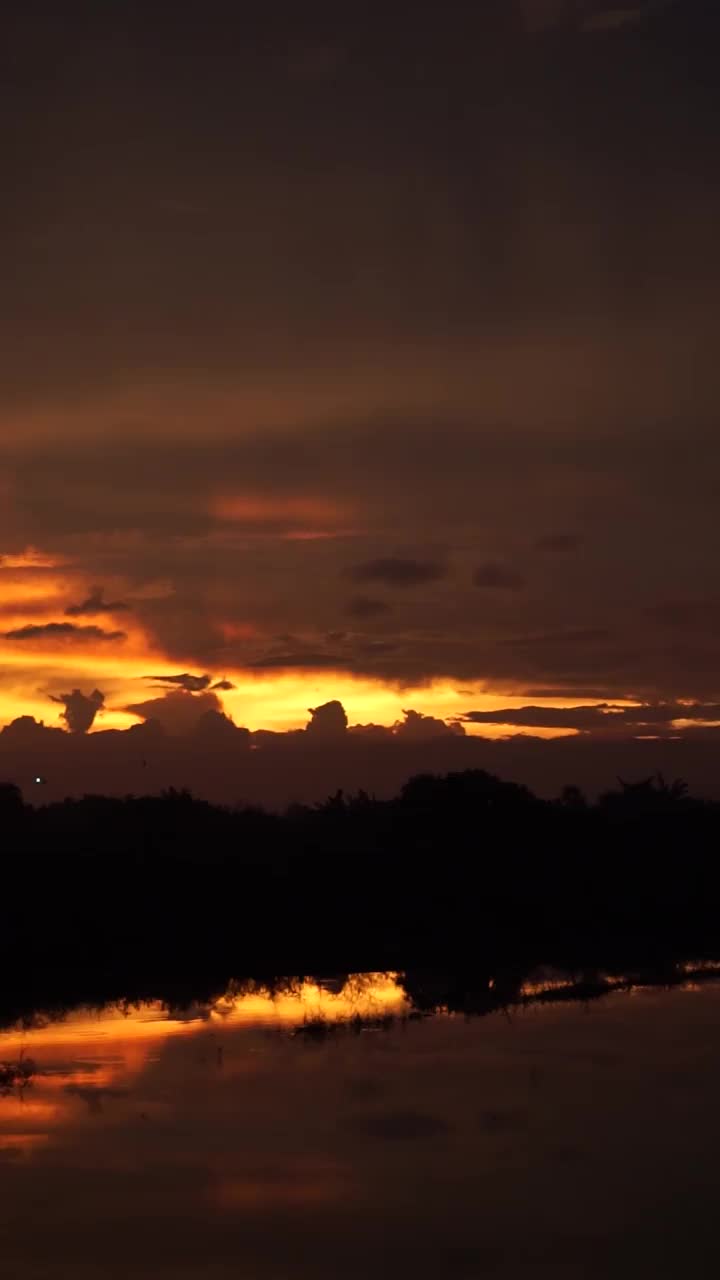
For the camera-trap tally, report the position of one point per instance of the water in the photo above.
(247, 1139)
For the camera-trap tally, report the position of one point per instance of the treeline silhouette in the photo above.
(458, 871)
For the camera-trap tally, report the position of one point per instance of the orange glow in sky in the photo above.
(278, 702)
(85, 651)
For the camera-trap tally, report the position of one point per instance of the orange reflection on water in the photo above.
(365, 995)
(90, 1056)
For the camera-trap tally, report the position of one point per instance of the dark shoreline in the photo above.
(468, 994)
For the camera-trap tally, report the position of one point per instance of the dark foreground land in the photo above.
(463, 873)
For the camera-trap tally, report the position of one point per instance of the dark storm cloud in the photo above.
(80, 709)
(186, 681)
(366, 607)
(497, 577)
(94, 604)
(63, 631)
(394, 571)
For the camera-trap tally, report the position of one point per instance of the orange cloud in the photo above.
(266, 509)
(31, 558)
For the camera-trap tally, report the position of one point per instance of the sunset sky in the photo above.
(360, 353)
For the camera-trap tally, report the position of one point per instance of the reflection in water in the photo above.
(94, 1056)
(549, 1140)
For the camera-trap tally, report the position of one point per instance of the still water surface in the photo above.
(229, 1141)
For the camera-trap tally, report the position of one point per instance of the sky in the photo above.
(361, 356)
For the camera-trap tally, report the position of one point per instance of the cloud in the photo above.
(186, 681)
(30, 559)
(26, 731)
(398, 572)
(366, 607)
(179, 711)
(559, 542)
(202, 749)
(300, 660)
(330, 721)
(272, 511)
(581, 717)
(607, 717)
(225, 685)
(497, 577)
(417, 727)
(63, 631)
(216, 729)
(327, 721)
(293, 586)
(94, 605)
(80, 709)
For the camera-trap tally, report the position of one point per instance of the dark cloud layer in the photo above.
(95, 604)
(605, 718)
(394, 571)
(301, 661)
(63, 631)
(186, 681)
